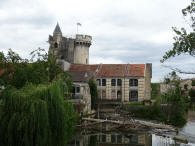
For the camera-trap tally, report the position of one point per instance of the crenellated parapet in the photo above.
(83, 40)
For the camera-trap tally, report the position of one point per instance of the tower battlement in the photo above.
(86, 38)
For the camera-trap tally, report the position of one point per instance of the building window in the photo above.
(56, 45)
(119, 139)
(86, 61)
(62, 57)
(113, 82)
(113, 94)
(119, 95)
(103, 82)
(113, 138)
(133, 82)
(133, 96)
(119, 82)
(98, 82)
(103, 138)
(77, 90)
(103, 94)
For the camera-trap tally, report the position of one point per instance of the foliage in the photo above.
(176, 100)
(155, 90)
(36, 116)
(94, 93)
(193, 82)
(184, 41)
(177, 113)
(170, 108)
(152, 112)
(192, 95)
(17, 71)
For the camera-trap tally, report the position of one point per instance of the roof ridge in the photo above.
(98, 69)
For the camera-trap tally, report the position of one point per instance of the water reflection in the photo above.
(92, 138)
(114, 139)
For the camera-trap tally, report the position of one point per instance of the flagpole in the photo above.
(77, 28)
(78, 24)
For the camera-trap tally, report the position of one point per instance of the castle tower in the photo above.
(72, 50)
(81, 51)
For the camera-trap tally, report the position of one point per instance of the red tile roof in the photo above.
(111, 70)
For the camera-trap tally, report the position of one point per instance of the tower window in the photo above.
(56, 45)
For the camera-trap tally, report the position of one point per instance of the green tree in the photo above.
(175, 101)
(94, 93)
(41, 68)
(36, 116)
(192, 95)
(155, 90)
(184, 40)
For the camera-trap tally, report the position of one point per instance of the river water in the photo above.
(92, 138)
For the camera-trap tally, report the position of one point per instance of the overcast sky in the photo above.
(123, 31)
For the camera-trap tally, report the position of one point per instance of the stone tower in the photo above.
(72, 50)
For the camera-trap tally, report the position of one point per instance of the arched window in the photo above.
(98, 82)
(119, 82)
(133, 82)
(119, 95)
(56, 45)
(113, 94)
(103, 82)
(133, 96)
(113, 82)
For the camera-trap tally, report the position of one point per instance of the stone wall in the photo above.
(124, 88)
(148, 76)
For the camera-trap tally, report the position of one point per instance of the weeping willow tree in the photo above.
(36, 116)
